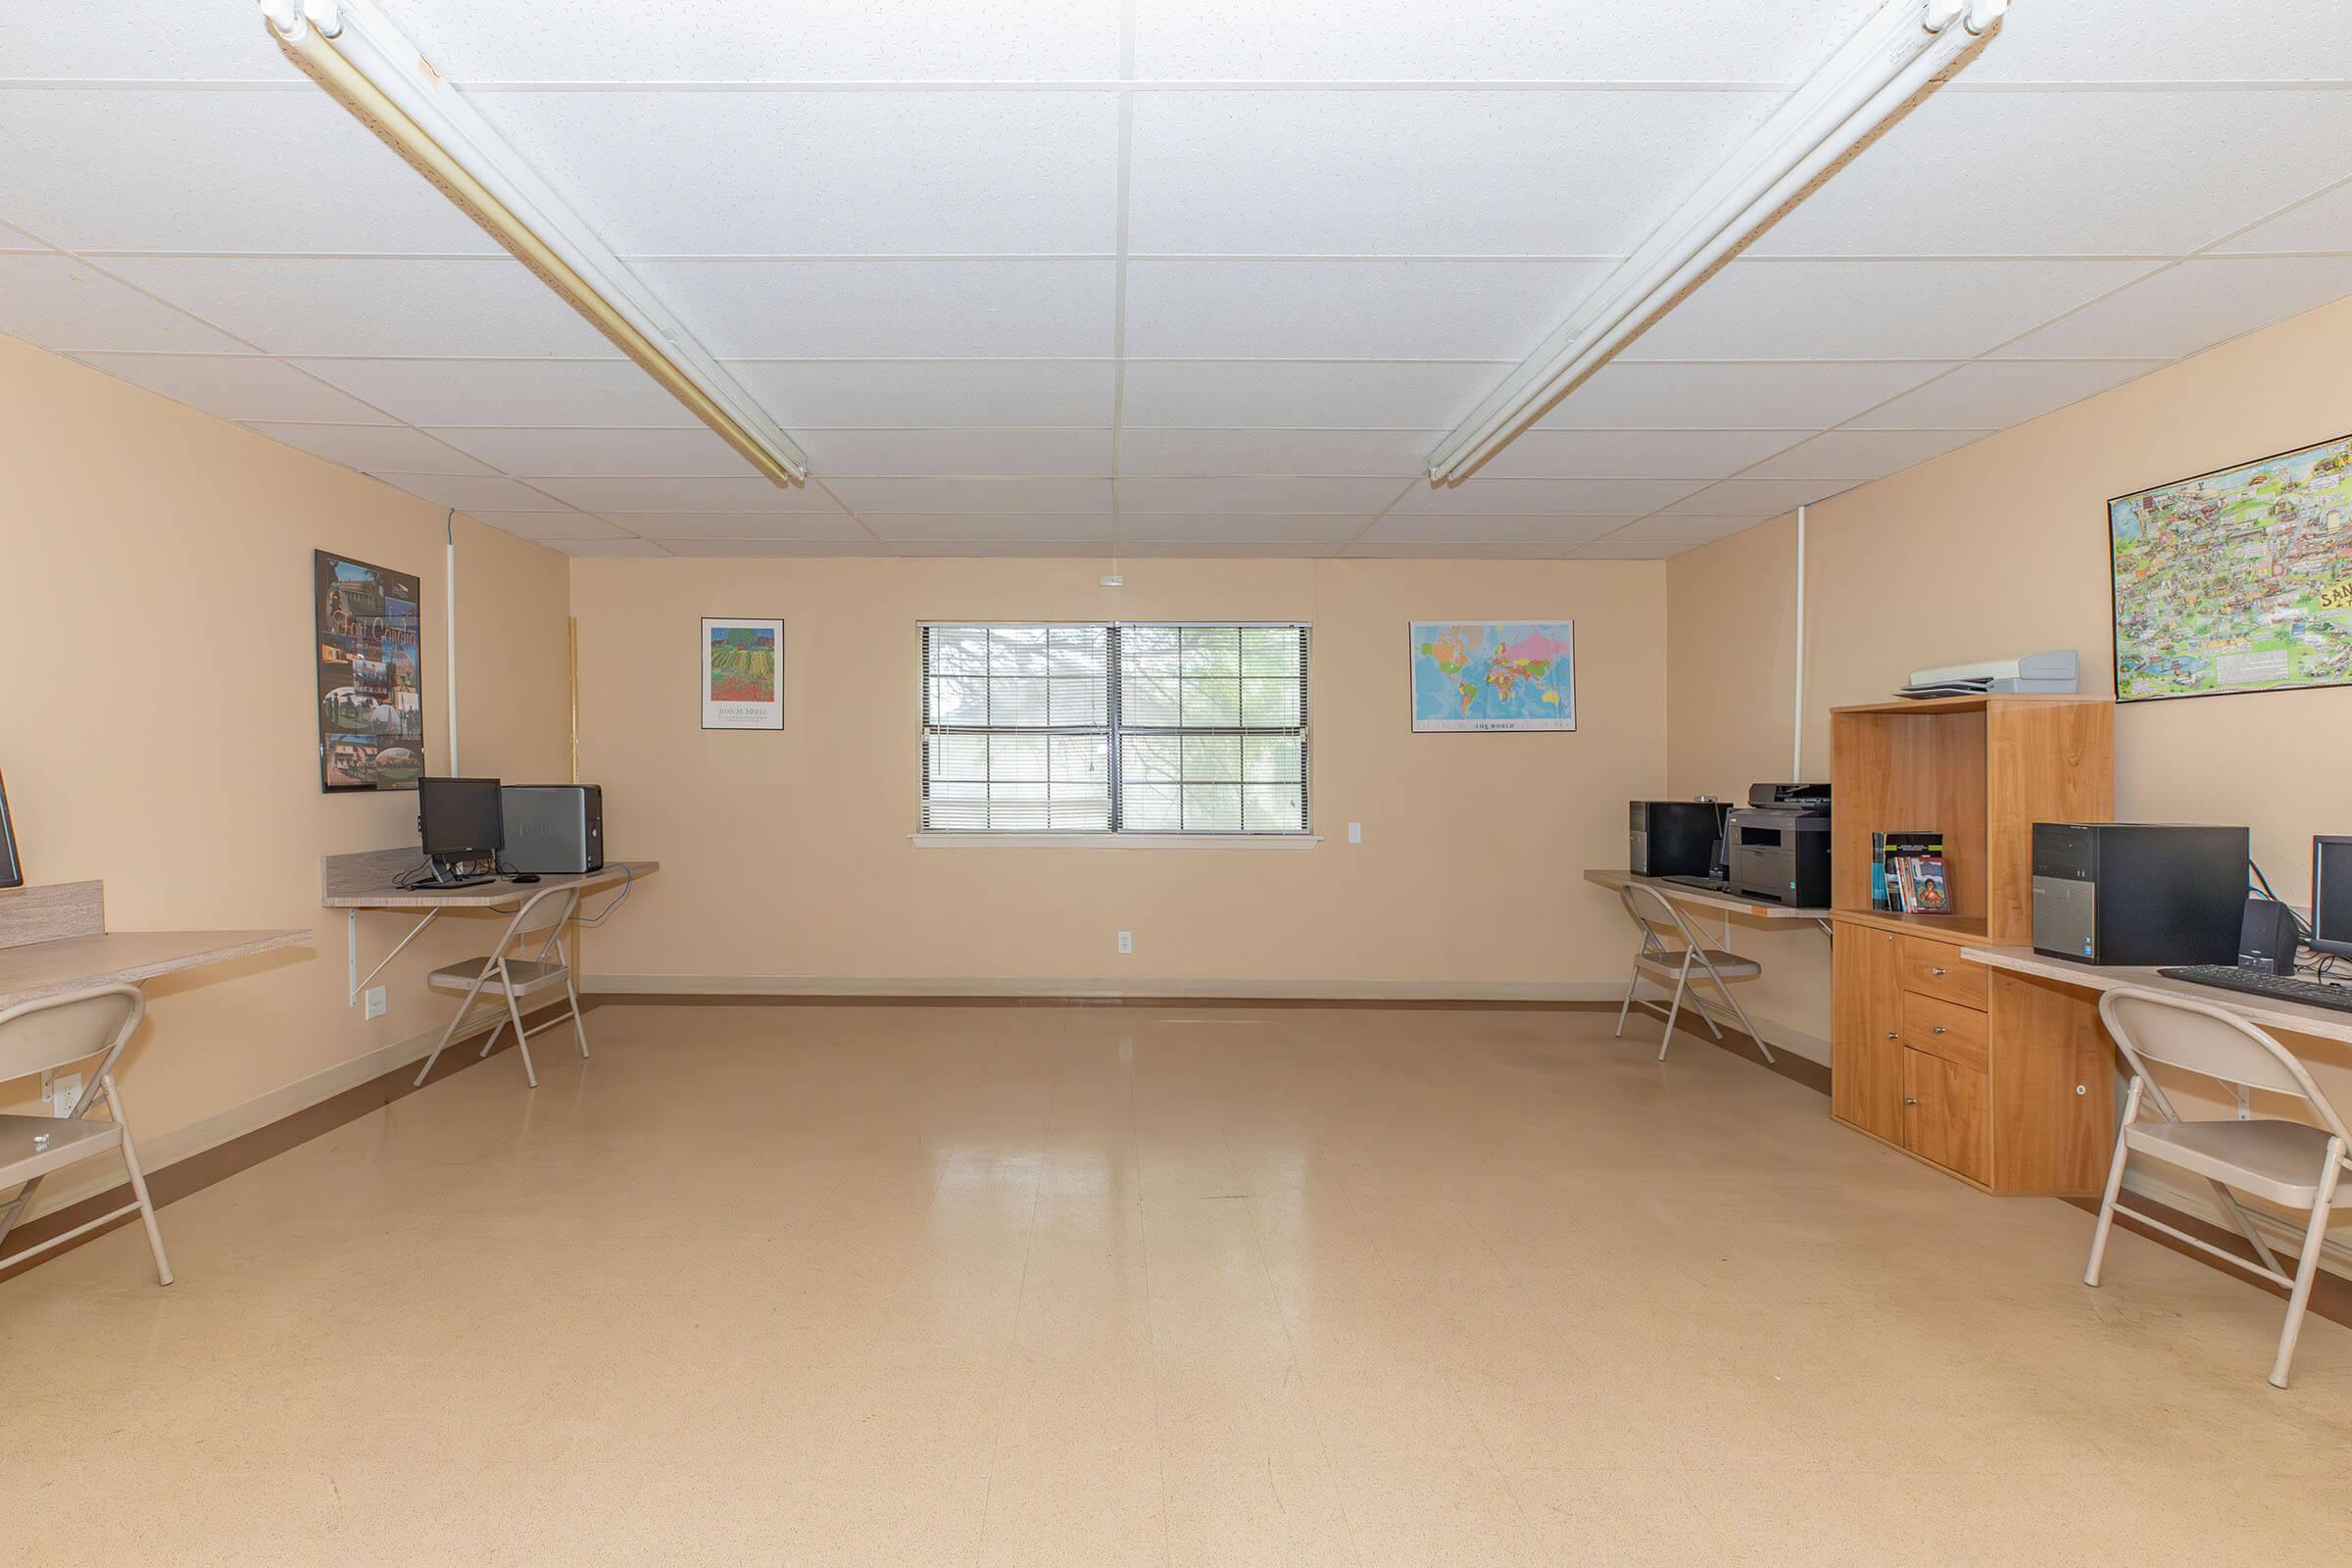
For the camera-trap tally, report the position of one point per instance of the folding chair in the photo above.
(2287, 1162)
(57, 1032)
(512, 978)
(1676, 955)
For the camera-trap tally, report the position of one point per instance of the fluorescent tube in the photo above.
(383, 78)
(1901, 51)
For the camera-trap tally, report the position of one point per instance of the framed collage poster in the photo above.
(742, 673)
(370, 678)
(1493, 675)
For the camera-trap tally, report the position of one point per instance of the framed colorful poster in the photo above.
(371, 679)
(2237, 580)
(743, 673)
(1493, 675)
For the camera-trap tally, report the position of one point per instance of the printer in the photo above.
(1779, 845)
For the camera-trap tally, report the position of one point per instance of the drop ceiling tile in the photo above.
(1660, 40)
(1995, 394)
(1860, 454)
(864, 545)
(1149, 452)
(182, 170)
(1683, 532)
(1477, 528)
(1881, 309)
(2320, 225)
(912, 309)
(142, 40)
(616, 493)
(2176, 170)
(470, 494)
(60, 304)
(1482, 495)
(1258, 493)
(1228, 550)
(1613, 549)
(898, 40)
(1236, 527)
(16, 239)
(694, 452)
(1757, 499)
(1421, 173)
(965, 528)
(307, 306)
(808, 526)
(1629, 394)
(2198, 40)
(1456, 550)
(983, 549)
(545, 526)
(548, 393)
(238, 386)
(631, 549)
(374, 448)
(807, 396)
(1368, 310)
(1540, 454)
(895, 173)
(869, 495)
(1233, 394)
(1084, 454)
(2191, 307)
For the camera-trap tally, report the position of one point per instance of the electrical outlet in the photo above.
(1126, 941)
(64, 1092)
(1356, 832)
(377, 1001)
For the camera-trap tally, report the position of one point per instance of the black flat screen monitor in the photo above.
(2331, 895)
(12, 872)
(460, 819)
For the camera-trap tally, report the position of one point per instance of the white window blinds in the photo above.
(1140, 729)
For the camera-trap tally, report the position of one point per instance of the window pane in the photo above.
(1016, 650)
(1152, 758)
(1212, 758)
(1273, 758)
(1270, 651)
(1151, 807)
(1213, 650)
(1212, 701)
(1019, 701)
(1017, 758)
(959, 700)
(1152, 702)
(1273, 809)
(1212, 807)
(958, 650)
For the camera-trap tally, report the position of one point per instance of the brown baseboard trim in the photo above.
(2330, 1293)
(764, 999)
(1788, 1064)
(167, 1184)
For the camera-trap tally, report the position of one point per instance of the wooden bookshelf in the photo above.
(2002, 1084)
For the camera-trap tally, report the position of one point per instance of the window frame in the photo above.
(1113, 730)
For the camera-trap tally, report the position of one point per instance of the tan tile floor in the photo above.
(1095, 1286)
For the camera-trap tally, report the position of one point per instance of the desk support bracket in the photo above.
(351, 947)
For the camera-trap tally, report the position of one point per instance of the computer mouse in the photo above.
(525, 876)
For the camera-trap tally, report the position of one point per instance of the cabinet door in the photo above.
(1946, 1114)
(1866, 1066)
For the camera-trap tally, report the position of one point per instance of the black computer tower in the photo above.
(554, 830)
(1673, 838)
(2138, 893)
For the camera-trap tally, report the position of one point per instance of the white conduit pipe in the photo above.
(1797, 717)
(448, 617)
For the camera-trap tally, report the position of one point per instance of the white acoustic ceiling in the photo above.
(1170, 276)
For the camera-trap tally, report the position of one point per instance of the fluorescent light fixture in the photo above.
(1901, 51)
(384, 79)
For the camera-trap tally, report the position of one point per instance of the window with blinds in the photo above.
(1125, 728)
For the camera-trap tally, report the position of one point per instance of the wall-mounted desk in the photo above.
(2285, 1017)
(1725, 905)
(54, 940)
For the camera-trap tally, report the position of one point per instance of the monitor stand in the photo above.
(454, 874)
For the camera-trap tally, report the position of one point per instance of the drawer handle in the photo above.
(1890, 1034)
(1908, 1100)
(1938, 1029)
(1937, 973)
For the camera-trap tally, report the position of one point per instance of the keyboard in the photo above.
(2261, 983)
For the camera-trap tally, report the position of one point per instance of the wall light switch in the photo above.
(377, 1001)
(1126, 941)
(1356, 832)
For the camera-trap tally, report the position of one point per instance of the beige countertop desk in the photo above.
(55, 939)
(1725, 905)
(2287, 1017)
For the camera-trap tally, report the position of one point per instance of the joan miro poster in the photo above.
(743, 673)
(371, 676)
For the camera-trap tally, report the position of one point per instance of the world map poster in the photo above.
(1493, 675)
(2239, 580)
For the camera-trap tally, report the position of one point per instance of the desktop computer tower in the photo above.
(554, 830)
(1673, 838)
(2138, 893)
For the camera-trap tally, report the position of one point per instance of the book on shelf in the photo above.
(1894, 848)
(1924, 888)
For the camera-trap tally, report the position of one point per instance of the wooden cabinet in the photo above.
(2003, 1083)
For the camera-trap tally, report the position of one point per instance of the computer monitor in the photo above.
(2331, 895)
(460, 819)
(12, 872)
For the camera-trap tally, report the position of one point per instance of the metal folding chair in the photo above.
(2288, 1163)
(1675, 956)
(56, 1032)
(512, 978)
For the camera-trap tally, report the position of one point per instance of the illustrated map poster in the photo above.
(2239, 580)
(743, 674)
(371, 686)
(1493, 675)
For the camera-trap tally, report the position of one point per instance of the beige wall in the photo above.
(157, 729)
(789, 859)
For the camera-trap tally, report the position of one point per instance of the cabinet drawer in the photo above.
(1945, 1029)
(1936, 969)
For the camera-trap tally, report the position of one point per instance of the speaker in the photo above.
(2268, 939)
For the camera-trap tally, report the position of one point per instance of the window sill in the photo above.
(1115, 840)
